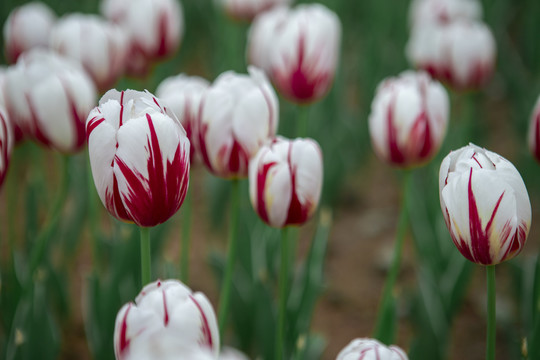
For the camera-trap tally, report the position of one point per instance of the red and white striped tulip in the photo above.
(98, 45)
(26, 27)
(248, 9)
(368, 349)
(408, 119)
(461, 53)
(154, 29)
(485, 205)
(169, 320)
(424, 12)
(285, 181)
(183, 95)
(139, 154)
(534, 131)
(299, 49)
(48, 97)
(238, 114)
(6, 143)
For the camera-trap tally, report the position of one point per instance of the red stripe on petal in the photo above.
(205, 327)
(165, 310)
(396, 155)
(298, 212)
(262, 177)
(123, 341)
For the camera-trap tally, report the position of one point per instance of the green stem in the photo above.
(491, 321)
(303, 121)
(386, 315)
(146, 269)
(186, 239)
(283, 292)
(231, 259)
(93, 218)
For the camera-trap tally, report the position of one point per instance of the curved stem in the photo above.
(231, 259)
(385, 326)
(491, 312)
(186, 239)
(146, 268)
(283, 292)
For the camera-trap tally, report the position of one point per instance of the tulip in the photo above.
(534, 131)
(6, 143)
(285, 181)
(248, 9)
(299, 49)
(48, 98)
(139, 154)
(183, 95)
(461, 53)
(26, 27)
(366, 349)
(154, 29)
(97, 44)
(229, 353)
(485, 205)
(408, 119)
(238, 114)
(166, 321)
(424, 12)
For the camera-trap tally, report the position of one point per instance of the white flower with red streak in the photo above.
(154, 29)
(371, 349)
(248, 9)
(6, 143)
(299, 49)
(26, 27)
(423, 12)
(139, 154)
(169, 320)
(408, 120)
(285, 181)
(534, 131)
(98, 45)
(485, 205)
(238, 114)
(48, 97)
(183, 95)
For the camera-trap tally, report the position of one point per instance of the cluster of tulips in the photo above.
(141, 145)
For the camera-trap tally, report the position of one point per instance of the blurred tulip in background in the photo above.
(371, 349)
(443, 11)
(248, 9)
(6, 143)
(534, 131)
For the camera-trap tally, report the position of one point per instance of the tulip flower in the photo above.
(97, 44)
(26, 27)
(248, 9)
(139, 154)
(367, 349)
(408, 119)
(6, 143)
(534, 131)
(299, 49)
(424, 12)
(154, 29)
(183, 95)
(461, 53)
(285, 181)
(48, 98)
(238, 114)
(485, 205)
(166, 321)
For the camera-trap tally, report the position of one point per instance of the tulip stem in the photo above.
(231, 259)
(283, 293)
(146, 268)
(491, 312)
(186, 239)
(303, 121)
(386, 316)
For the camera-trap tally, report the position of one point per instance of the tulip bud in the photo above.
(26, 27)
(441, 12)
(139, 154)
(97, 44)
(48, 98)
(408, 119)
(154, 29)
(183, 95)
(285, 181)
(6, 143)
(364, 349)
(298, 48)
(248, 9)
(166, 321)
(238, 114)
(485, 205)
(461, 53)
(534, 131)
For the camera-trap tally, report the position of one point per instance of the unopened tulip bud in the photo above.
(238, 114)
(368, 349)
(248, 9)
(139, 154)
(285, 181)
(408, 119)
(485, 205)
(26, 27)
(167, 321)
